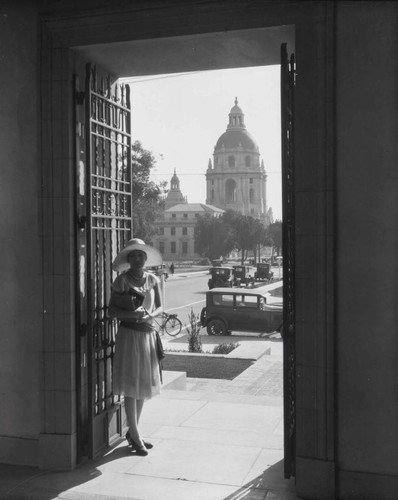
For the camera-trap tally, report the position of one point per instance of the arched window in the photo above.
(230, 191)
(251, 195)
(231, 161)
(247, 161)
(212, 195)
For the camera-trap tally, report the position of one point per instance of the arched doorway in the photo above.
(230, 191)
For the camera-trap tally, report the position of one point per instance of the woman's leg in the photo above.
(140, 405)
(131, 406)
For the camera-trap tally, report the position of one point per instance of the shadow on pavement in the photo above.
(269, 484)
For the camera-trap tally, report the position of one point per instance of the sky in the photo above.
(179, 118)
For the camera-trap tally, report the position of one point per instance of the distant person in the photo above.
(135, 300)
(172, 268)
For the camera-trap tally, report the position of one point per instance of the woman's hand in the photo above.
(141, 315)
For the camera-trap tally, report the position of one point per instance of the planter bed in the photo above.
(202, 365)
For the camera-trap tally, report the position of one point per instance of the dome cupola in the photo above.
(236, 117)
(175, 182)
(174, 196)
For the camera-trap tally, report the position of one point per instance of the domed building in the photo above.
(237, 179)
(175, 227)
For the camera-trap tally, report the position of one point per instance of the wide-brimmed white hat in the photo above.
(154, 257)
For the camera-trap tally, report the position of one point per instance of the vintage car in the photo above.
(240, 310)
(263, 272)
(217, 262)
(220, 277)
(243, 275)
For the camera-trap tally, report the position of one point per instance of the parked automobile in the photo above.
(264, 272)
(220, 277)
(240, 310)
(243, 275)
(217, 262)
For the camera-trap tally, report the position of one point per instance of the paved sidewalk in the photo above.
(216, 440)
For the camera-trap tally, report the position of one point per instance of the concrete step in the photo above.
(224, 397)
(251, 350)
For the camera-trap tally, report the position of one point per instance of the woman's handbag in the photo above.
(160, 353)
(159, 347)
(122, 302)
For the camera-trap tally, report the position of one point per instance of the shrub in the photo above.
(194, 340)
(225, 348)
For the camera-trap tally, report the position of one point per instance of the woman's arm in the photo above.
(158, 301)
(158, 307)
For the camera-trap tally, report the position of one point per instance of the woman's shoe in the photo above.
(147, 444)
(140, 450)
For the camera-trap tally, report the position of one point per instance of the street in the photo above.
(184, 292)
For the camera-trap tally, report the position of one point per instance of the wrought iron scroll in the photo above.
(108, 194)
(288, 227)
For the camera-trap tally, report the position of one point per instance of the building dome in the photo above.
(235, 139)
(236, 135)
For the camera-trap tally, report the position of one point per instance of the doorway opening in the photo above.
(89, 53)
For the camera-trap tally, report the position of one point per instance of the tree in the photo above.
(249, 234)
(147, 195)
(214, 237)
(274, 235)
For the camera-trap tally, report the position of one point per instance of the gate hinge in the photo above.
(80, 95)
(81, 221)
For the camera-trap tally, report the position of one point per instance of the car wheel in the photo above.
(216, 327)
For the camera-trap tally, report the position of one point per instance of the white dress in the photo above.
(136, 365)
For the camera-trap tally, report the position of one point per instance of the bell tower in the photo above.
(237, 179)
(174, 196)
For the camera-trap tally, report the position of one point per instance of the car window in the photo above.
(248, 301)
(224, 300)
(251, 301)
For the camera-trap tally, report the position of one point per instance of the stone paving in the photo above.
(215, 440)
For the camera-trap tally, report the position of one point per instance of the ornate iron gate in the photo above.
(104, 225)
(288, 226)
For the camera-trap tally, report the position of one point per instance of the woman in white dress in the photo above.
(135, 300)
